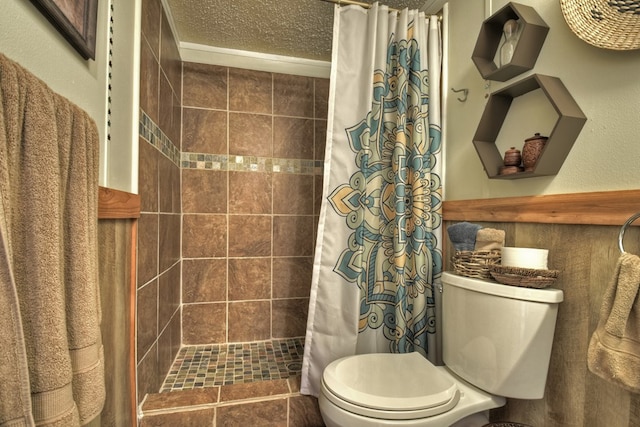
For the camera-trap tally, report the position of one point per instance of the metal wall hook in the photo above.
(465, 93)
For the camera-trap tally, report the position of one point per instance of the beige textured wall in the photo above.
(29, 39)
(603, 82)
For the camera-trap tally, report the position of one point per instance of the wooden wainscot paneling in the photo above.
(116, 204)
(597, 208)
(119, 304)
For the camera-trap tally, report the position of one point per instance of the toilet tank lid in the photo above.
(546, 295)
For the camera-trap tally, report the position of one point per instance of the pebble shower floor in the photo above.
(223, 364)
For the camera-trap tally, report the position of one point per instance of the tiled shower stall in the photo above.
(230, 178)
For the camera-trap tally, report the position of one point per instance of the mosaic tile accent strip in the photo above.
(223, 364)
(223, 162)
(151, 132)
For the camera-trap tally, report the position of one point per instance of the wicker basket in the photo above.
(524, 277)
(604, 23)
(476, 264)
(506, 424)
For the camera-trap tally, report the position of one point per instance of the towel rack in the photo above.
(624, 228)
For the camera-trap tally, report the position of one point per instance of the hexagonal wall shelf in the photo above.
(533, 33)
(570, 121)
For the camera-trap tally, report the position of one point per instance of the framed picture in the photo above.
(76, 21)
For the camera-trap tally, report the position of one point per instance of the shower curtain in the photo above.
(378, 252)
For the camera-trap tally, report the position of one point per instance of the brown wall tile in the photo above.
(272, 413)
(204, 236)
(294, 383)
(293, 95)
(253, 390)
(204, 323)
(168, 295)
(250, 134)
(148, 176)
(304, 412)
(181, 399)
(293, 235)
(147, 317)
(250, 192)
(204, 191)
(170, 57)
(175, 330)
(292, 277)
(148, 380)
(168, 185)
(169, 115)
(293, 138)
(205, 86)
(250, 91)
(204, 280)
(249, 235)
(249, 321)
(289, 317)
(149, 81)
(249, 278)
(199, 417)
(293, 194)
(151, 12)
(169, 241)
(159, 186)
(321, 98)
(205, 131)
(206, 227)
(147, 248)
(320, 139)
(165, 355)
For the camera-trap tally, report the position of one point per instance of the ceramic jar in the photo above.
(531, 151)
(512, 157)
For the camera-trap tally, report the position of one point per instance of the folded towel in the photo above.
(489, 238)
(463, 235)
(614, 349)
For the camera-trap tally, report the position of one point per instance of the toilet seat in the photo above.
(389, 386)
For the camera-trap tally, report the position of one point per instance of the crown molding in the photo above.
(203, 54)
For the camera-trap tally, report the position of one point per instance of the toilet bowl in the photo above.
(398, 390)
(496, 344)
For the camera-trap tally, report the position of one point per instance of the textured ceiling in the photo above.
(298, 28)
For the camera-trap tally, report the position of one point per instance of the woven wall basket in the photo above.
(609, 24)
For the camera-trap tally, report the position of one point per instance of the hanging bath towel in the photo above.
(614, 350)
(51, 360)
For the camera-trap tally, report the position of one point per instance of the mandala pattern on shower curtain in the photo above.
(392, 204)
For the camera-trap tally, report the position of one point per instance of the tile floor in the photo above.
(249, 384)
(224, 364)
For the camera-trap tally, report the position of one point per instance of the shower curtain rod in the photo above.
(362, 4)
(357, 3)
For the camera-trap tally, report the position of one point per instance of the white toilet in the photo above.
(496, 344)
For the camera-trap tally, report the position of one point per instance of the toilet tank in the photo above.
(498, 337)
